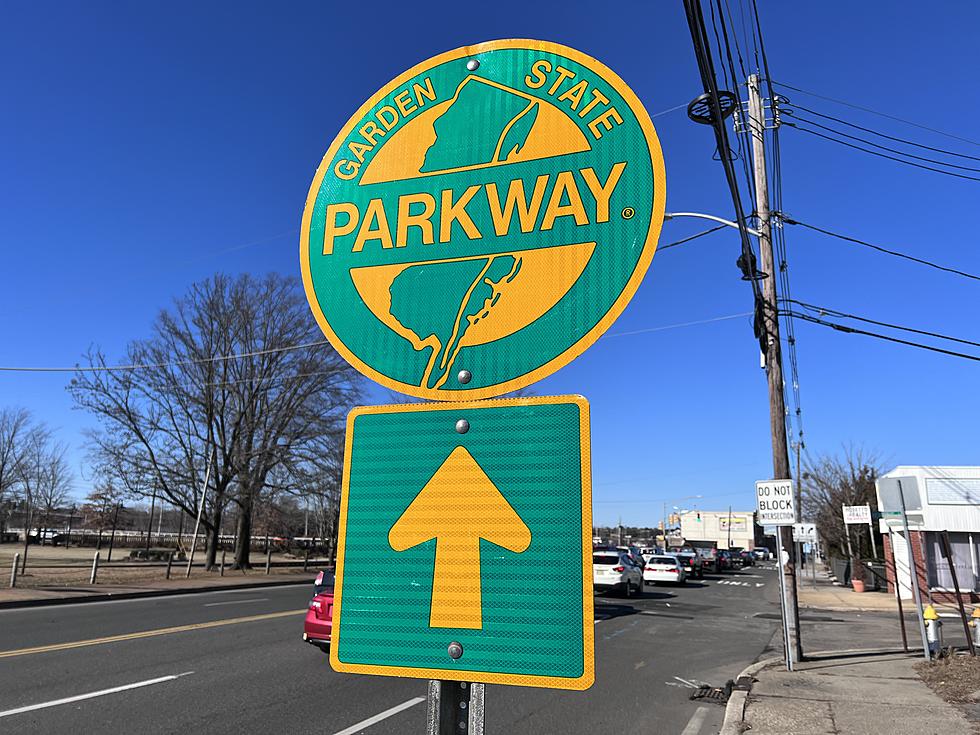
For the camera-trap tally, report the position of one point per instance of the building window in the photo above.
(963, 554)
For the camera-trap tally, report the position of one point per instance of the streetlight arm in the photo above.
(713, 218)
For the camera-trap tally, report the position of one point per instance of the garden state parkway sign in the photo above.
(482, 219)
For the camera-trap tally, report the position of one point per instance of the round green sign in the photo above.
(482, 219)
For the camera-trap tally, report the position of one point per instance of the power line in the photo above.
(844, 315)
(881, 155)
(174, 363)
(880, 114)
(878, 145)
(688, 239)
(882, 135)
(881, 249)
(855, 330)
(682, 324)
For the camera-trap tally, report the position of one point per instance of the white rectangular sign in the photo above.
(805, 532)
(774, 501)
(856, 514)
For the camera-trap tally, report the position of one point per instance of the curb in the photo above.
(735, 709)
(110, 596)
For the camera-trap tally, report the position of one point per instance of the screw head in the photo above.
(464, 377)
(462, 426)
(472, 64)
(455, 650)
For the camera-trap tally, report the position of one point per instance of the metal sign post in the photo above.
(787, 649)
(913, 574)
(454, 708)
(775, 506)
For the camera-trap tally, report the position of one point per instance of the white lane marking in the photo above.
(694, 724)
(236, 602)
(364, 724)
(687, 683)
(92, 695)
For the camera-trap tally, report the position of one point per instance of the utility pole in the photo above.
(770, 318)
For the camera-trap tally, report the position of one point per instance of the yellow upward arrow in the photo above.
(458, 506)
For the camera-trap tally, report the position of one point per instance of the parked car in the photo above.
(664, 569)
(761, 553)
(709, 559)
(691, 562)
(747, 558)
(723, 560)
(318, 625)
(616, 569)
(635, 552)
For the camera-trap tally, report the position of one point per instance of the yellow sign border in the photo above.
(587, 340)
(461, 674)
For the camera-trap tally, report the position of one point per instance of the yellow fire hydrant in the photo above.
(934, 630)
(975, 627)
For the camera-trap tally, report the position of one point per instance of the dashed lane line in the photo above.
(147, 634)
(364, 724)
(93, 695)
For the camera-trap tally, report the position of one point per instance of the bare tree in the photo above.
(15, 425)
(832, 481)
(44, 480)
(235, 377)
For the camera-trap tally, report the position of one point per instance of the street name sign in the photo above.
(856, 514)
(482, 219)
(805, 532)
(465, 543)
(775, 503)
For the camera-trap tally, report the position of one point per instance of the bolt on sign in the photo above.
(465, 536)
(482, 219)
(775, 504)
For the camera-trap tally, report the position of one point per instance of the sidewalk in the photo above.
(847, 693)
(30, 597)
(822, 593)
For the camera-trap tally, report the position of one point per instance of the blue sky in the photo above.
(146, 147)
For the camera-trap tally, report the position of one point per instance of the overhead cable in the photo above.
(824, 310)
(149, 365)
(878, 145)
(880, 114)
(881, 249)
(855, 330)
(881, 155)
(795, 104)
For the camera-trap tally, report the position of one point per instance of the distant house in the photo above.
(938, 499)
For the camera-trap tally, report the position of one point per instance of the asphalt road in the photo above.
(235, 662)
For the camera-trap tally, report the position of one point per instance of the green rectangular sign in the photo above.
(465, 543)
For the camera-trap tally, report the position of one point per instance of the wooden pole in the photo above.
(770, 318)
(948, 553)
(112, 536)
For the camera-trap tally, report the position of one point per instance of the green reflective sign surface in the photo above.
(482, 538)
(492, 210)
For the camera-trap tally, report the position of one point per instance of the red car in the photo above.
(319, 618)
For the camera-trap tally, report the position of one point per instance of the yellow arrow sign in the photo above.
(459, 506)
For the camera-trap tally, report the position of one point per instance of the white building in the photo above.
(938, 499)
(729, 529)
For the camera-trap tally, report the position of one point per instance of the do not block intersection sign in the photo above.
(454, 559)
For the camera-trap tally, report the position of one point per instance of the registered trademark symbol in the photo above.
(628, 213)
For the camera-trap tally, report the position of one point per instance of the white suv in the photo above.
(616, 569)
